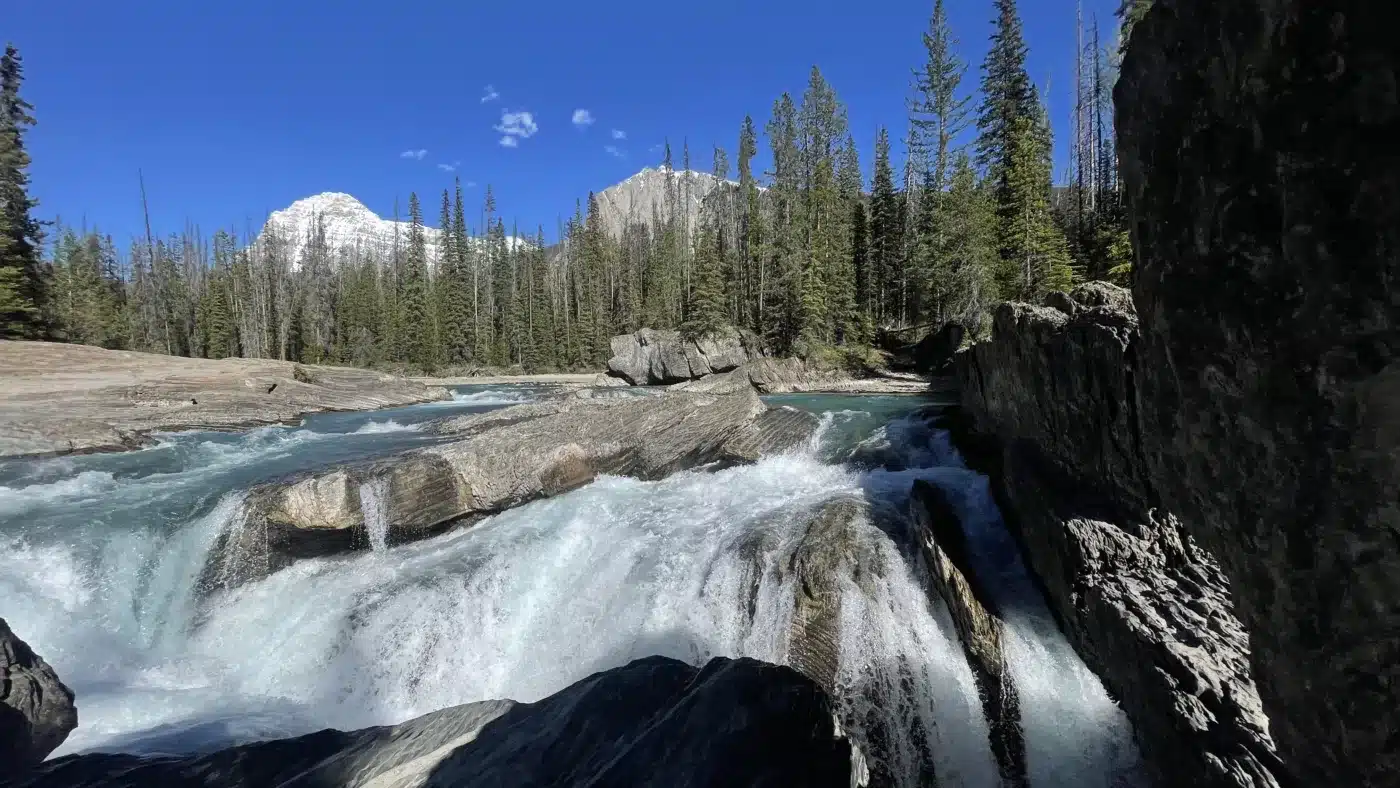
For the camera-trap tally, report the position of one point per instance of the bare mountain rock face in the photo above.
(495, 461)
(1053, 410)
(57, 398)
(654, 722)
(36, 709)
(652, 195)
(1260, 142)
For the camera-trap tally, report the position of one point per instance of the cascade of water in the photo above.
(693, 566)
(374, 504)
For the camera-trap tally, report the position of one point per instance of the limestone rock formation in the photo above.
(1054, 401)
(1259, 146)
(36, 708)
(650, 357)
(936, 531)
(496, 461)
(654, 722)
(57, 398)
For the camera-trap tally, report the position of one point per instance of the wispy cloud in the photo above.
(450, 167)
(615, 151)
(489, 94)
(657, 148)
(469, 184)
(516, 126)
(414, 154)
(583, 118)
(619, 134)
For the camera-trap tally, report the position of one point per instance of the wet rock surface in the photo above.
(36, 708)
(654, 722)
(494, 461)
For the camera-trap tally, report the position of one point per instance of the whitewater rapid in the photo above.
(524, 603)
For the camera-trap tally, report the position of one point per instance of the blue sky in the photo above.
(234, 109)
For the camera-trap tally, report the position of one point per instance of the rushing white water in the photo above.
(374, 502)
(527, 602)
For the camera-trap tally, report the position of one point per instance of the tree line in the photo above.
(805, 254)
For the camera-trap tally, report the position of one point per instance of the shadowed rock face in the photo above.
(1055, 401)
(496, 461)
(654, 722)
(36, 709)
(939, 536)
(1260, 147)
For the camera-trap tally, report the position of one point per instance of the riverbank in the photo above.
(72, 399)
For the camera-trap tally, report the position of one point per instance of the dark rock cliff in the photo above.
(1260, 145)
(36, 708)
(1052, 394)
(654, 722)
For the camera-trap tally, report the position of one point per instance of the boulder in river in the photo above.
(651, 357)
(36, 708)
(1050, 413)
(1260, 149)
(654, 722)
(496, 461)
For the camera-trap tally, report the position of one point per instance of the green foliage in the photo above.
(21, 280)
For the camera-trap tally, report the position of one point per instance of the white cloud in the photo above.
(489, 94)
(516, 126)
(450, 167)
(619, 134)
(615, 151)
(657, 148)
(469, 184)
(414, 154)
(583, 118)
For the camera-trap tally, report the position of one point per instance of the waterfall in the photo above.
(526, 602)
(374, 504)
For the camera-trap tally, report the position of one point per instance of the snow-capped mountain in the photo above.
(350, 228)
(642, 196)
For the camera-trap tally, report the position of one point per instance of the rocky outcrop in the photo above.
(1259, 153)
(934, 353)
(938, 534)
(654, 722)
(788, 375)
(1053, 400)
(36, 709)
(650, 357)
(57, 398)
(495, 461)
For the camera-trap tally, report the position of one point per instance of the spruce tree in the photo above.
(780, 312)
(416, 347)
(1007, 95)
(21, 234)
(752, 279)
(886, 236)
(1034, 254)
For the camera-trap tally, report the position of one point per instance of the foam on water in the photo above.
(522, 604)
(374, 503)
(491, 397)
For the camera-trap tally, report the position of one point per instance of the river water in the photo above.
(99, 557)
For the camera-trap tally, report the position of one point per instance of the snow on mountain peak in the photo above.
(351, 229)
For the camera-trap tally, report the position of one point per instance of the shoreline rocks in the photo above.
(495, 461)
(36, 708)
(1050, 413)
(653, 722)
(1258, 143)
(64, 399)
(650, 357)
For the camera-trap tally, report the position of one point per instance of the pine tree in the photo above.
(21, 235)
(780, 311)
(753, 279)
(849, 324)
(416, 346)
(1007, 95)
(886, 237)
(961, 246)
(707, 300)
(1034, 255)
